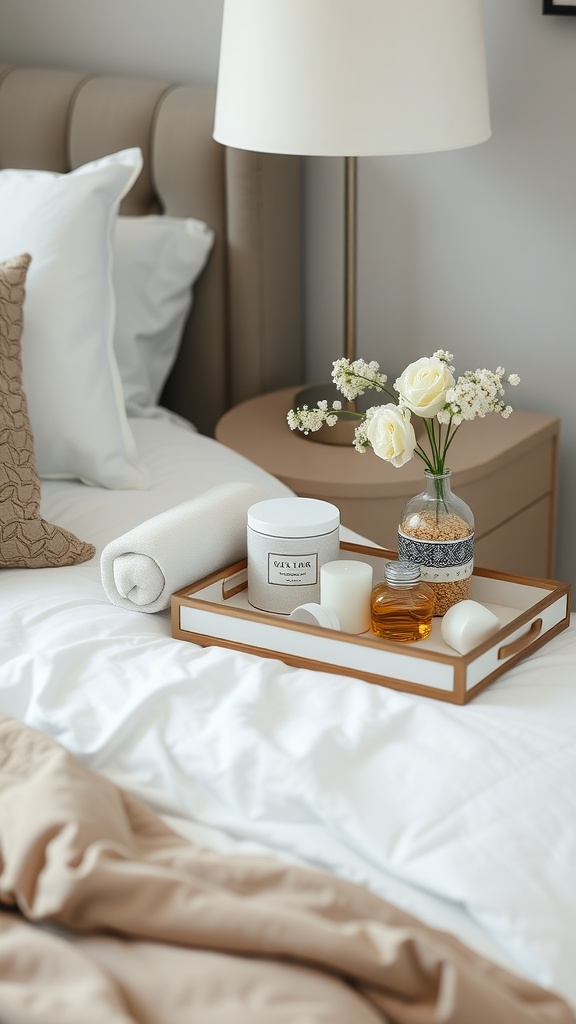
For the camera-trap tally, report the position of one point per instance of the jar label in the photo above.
(293, 570)
(440, 561)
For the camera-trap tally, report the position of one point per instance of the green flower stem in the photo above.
(336, 412)
(439, 445)
(419, 451)
(450, 437)
(436, 460)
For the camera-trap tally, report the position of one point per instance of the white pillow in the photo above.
(70, 372)
(156, 262)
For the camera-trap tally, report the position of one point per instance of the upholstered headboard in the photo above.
(244, 335)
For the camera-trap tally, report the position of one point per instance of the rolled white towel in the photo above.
(142, 568)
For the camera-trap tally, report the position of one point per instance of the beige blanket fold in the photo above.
(112, 917)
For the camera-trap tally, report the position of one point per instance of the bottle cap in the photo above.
(400, 573)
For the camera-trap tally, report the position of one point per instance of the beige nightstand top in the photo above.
(258, 429)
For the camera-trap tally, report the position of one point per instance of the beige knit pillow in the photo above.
(26, 540)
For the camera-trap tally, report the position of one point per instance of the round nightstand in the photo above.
(515, 459)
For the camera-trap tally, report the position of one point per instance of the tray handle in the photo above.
(232, 585)
(518, 645)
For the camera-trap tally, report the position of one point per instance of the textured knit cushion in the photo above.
(26, 540)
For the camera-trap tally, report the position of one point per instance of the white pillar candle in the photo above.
(345, 587)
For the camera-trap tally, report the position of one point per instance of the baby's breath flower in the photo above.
(309, 420)
(361, 442)
(513, 379)
(445, 357)
(353, 378)
(475, 394)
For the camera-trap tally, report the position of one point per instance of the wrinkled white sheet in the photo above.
(465, 817)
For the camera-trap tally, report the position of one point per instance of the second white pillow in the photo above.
(156, 261)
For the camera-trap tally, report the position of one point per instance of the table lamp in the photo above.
(351, 78)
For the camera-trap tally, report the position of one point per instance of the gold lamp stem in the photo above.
(343, 432)
(351, 196)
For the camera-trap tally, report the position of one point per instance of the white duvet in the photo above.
(465, 816)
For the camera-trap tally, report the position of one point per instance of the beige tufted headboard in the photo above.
(244, 335)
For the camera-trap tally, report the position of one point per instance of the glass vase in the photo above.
(436, 531)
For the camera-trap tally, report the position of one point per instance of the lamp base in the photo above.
(342, 433)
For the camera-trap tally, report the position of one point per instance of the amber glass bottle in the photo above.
(402, 605)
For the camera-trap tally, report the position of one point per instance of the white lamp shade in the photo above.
(352, 77)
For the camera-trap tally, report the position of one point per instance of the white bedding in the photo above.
(465, 816)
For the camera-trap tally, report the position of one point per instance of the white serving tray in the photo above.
(215, 611)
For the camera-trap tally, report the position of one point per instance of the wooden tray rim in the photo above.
(459, 694)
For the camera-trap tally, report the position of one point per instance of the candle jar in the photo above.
(403, 604)
(289, 540)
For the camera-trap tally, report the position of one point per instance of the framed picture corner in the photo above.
(558, 7)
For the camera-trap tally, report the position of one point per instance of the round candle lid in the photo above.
(316, 615)
(293, 517)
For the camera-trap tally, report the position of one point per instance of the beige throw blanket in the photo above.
(111, 917)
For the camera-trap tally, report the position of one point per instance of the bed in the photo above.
(189, 832)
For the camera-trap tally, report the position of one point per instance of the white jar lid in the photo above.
(316, 615)
(293, 517)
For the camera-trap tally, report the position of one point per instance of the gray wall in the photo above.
(474, 251)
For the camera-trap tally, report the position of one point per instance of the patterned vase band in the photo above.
(440, 561)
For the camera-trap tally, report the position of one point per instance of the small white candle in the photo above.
(467, 624)
(345, 587)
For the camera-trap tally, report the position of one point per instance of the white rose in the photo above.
(391, 434)
(423, 386)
